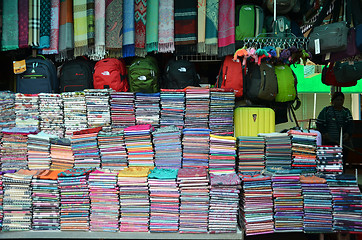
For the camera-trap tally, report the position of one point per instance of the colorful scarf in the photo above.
(1, 22)
(114, 25)
(100, 30)
(185, 26)
(23, 23)
(66, 33)
(10, 34)
(128, 29)
(54, 29)
(80, 27)
(45, 14)
(34, 23)
(152, 26)
(140, 27)
(212, 11)
(166, 26)
(90, 24)
(201, 25)
(226, 30)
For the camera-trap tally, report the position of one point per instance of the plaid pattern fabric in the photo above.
(34, 23)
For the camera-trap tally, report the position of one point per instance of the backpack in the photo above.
(143, 75)
(180, 74)
(282, 27)
(261, 83)
(282, 6)
(286, 84)
(249, 21)
(231, 75)
(40, 77)
(76, 75)
(110, 73)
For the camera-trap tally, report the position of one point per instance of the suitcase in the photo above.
(249, 121)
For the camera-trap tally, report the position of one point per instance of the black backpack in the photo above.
(40, 77)
(76, 75)
(180, 74)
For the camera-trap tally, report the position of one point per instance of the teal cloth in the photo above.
(163, 173)
(152, 26)
(10, 35)
(45, 14)
(212, 11)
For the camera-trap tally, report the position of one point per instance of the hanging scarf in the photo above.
(226, 34)
(212, 11)
(90, 24)
(140, 27)
(201, 25)
(10, 35)
(185, 26)
(100, 30)
(166, 26)
(23, 12)
(114, 23)
(80, 27)
(45, 14)
(54, 29)
(34, 23)
(1, 23)
(152, 26)
(128, 29)
(66, 32)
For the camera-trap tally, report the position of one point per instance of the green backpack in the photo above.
(249, 21)
(286, 84)
(143, 75)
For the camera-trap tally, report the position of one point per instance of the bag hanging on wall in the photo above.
(143, 75)
(287, 90)
(350, 71)
(329, 78)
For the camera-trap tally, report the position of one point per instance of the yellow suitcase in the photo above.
(249, 121)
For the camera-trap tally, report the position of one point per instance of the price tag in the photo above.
(19, 66)
(317, 46)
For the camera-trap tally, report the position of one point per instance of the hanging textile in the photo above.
(90, 25)
(166, 26)
(140, 27)
(152, 26)
(128, 29)
(201, 25)
(185, 26)
(114, 24)
(54, 28)
(226, 31)
(1, 23)
(100, 30)
(45, 14)
(80, 27)
(34, 23)
(10, 34)
(23, 12)
(212, 14)
(66, 32)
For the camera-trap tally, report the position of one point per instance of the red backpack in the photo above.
(231, 75)
(110, 73)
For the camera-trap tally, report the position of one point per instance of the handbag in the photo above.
(351, 49)
(348, 71)
(329, 78)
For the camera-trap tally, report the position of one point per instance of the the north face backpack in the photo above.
(249, 21)
(231, 75)
(261, 83)
(180, 74)
(110, 73)
(286, 84)
(40, 77)
(143, 74)
(76, 75)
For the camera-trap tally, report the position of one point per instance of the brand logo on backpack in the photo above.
(182, 69)
(105, 73)
(254, 117)
(79, 74)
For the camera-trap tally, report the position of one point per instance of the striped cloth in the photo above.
(34, 23)
(80, 27)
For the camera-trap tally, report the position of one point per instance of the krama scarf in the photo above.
(10, 35)
(54, 29)
(152, 26)
(66, 31)
(90, 24)
(45, 15)
(34, 23)
(128, 29)
(166, 26)
(185, 26)
(100, 30)
(226, 29)
(201, 25)
(140, 27)
(80, 27)
(23, 23)
(114, 25)
(212, 11)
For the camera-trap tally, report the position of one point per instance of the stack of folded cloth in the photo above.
(147, 107)
(39, 150)
(112, 150)
(122, 110)
(7, 109)
(222, 154)
(27, 110)
(172, 107)
(196, 148)
(251, 156)
(98, 110)
(51, 114)
(61, 154)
